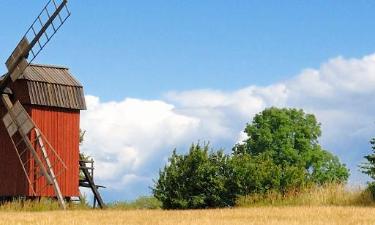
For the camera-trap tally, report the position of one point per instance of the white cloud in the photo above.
(123, 136)
(131, 139)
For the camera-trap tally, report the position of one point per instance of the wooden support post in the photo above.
(55, 184)
(91, 183)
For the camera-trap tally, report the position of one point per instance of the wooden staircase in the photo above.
(87, 181)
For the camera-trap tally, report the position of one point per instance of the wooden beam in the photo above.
(92, 184)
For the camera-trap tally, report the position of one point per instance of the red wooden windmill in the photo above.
(40, 110)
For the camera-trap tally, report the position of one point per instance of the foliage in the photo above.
(254, 174)
(285, 141)
(196, 180)
(328, 169)
(281, 155)
(369, 166)
(371, 189)
(143, 202)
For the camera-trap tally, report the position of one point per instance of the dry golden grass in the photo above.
(240, 216)
(328, 195)
(332, 204)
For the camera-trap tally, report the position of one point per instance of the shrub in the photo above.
(199, 179)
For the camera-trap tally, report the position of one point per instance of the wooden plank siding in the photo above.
(61, 128)
(55, 95)
(53, 98)
(12, 178)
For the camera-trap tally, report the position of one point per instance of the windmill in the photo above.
(26, 137)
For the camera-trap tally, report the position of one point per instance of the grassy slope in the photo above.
(257, 215)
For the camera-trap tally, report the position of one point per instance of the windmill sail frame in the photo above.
(17, 120)
(17, 61)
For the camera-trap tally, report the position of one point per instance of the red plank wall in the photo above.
(61, 128)
(12, 178)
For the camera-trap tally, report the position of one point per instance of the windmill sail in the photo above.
(45, 26)
(21, 129)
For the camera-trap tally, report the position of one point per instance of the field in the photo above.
(331, 204)
(240, 216)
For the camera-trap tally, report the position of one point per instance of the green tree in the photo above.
(199, 179)
(282, 153)
(369, 166)
(328, 169)
(288, 139)
(254, 174)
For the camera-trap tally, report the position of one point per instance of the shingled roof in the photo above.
(50, 74)
(52, 86)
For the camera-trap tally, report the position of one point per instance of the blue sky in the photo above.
(144, 48)
(173, 72)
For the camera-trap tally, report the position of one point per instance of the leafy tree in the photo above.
(369, 166)
(288, 140)
(256, 174)
(196, 180)
(328, 169)
(282, 153)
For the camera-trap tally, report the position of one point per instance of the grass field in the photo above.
(257, 215)
(332, 204)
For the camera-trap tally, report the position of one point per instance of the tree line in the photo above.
(281, 154)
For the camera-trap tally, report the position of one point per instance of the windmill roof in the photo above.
(50, 74)
(48, 85)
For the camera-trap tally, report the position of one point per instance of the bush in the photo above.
(199, 179)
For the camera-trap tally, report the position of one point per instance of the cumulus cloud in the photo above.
(125, 136)
(340, 94)
(131, 139)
